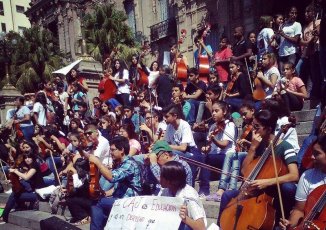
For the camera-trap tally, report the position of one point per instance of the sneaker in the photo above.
(2, 221)
(214, 197)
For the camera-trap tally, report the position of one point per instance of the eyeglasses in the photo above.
(147, 118)
(112, 150)
(192, 75)
(89, 132)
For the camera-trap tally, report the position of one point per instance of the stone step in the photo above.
(9, 226)
(304, 127)
(310, 104)
(305, 115)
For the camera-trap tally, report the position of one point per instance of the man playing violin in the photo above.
(264, 124)
(309, 181)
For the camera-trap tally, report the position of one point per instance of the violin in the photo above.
(253, 208)
(315, 211)
(247, 130)
(17, 187)
(219, 128)
(95, 191)
(230, 85)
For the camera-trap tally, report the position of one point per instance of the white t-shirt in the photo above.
(310, 179)
(63, 96)
(153, 75)
(229, 134)
(194, 205)
(268, 74)
(122, 88)
(103, 150)
(180, 136)
(291, 29)
(263, 41)
(39, 109)
(291, 136)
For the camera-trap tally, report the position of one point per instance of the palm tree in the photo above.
(105, 29)
(36, 57)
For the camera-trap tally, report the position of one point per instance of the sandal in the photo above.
(86, 220)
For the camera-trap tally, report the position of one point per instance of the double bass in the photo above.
(253, 208)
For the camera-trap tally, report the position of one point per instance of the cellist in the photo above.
(264, 124)
(310, 180)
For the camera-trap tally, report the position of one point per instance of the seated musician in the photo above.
(270, 74)
(128, 131)
(234, 159)
(239, 88)
(125, 176)
(179, 136)
(264, 124)
(220, 139)
(173, 182)
(194, 93)
(154, 124)
(20, 118)
(31, 178)
(177, 98)
(132, 116)
(177, 57)
(78, 200)
(310, 180)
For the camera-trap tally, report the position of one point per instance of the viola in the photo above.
(252, 208)
(315, 211)
(219, 128)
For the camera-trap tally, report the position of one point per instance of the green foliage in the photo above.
(105, 29)
(35, 56)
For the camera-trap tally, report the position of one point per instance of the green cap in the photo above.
(161, 146)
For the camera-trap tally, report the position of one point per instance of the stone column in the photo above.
(7, 99)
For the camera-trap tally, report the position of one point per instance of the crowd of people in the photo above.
(151, 131)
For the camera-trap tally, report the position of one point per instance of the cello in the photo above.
(203, 60)
(179, 66)
(253, 208)
(315, 211)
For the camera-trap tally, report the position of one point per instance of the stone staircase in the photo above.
(22, 220)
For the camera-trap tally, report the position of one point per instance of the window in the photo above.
(21, 30)
(20, 9)
(3, 27)
(1, 9)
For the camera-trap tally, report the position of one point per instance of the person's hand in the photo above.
(205, 149)
(12, 170)
(256, 139)
(144, 127)
(284, 224)
(183, 213)
(261, 184)
(16, 122)
(260, 75)
(152, 158)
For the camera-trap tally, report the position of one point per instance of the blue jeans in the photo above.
(57, 161)
(193, 110)
(306, 143)
(232, 164)
(28, 132)
(18, 198)
(192, 153)
(212, 159)
(101, 212)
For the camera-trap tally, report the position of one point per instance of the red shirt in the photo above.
(222, 69)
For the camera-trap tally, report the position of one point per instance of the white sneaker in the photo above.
(9, 191)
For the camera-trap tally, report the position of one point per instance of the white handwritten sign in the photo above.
(145, 212)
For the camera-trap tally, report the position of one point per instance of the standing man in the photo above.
(241, 49)
(125, 176)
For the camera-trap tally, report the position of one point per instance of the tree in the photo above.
(105, 29)
(35, 58)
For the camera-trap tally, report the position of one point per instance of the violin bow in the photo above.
(3, 171)
(277, 181)
(252, 90)
(55, 169)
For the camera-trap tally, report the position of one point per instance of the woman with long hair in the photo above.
(121, 77)
(128, 131)
(40, 109)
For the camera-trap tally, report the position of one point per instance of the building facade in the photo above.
(12, 15)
